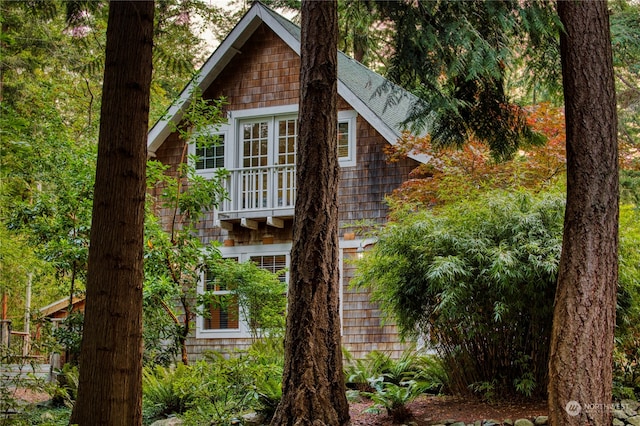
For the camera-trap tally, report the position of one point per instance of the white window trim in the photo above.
(242, 253)
(351, 118)
(220, 129)
(232, 131)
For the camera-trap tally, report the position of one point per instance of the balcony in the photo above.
(258, 194)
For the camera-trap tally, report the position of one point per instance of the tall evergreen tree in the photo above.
(110, 384)
(456, 56)
(580, 367)
(313, 388)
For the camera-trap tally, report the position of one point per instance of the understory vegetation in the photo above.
(472, 280)
(477, 278)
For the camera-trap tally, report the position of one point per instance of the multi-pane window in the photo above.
(224, 314)
(272, 263)
(287, 139)
(211, 156)
(258, 148)
(255, 143)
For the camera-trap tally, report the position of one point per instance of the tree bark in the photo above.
(580, 366)
(314, 391)
(110, 387)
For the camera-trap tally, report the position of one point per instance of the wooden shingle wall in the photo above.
(363, 188)
(264, 74)
(363, 327)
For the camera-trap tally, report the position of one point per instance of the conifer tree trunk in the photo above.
(110, 388)
(580, 367)
(314, 391)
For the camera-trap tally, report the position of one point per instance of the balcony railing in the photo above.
(260, 192)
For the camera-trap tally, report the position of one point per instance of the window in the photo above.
(209, 151)
(272, 263)
(210, 157)
(258, 149)
(225, 320)
(343, 139)
(347, 138)
(224, 315)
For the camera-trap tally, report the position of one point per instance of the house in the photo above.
(256, 68)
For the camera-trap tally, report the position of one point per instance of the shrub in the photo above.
(168, 390)
(477, 281)
(358, 372)
(626, 357)
(65, 391)
(394, 398)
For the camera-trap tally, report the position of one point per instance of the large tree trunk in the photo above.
(580, 367)
(110, 388)
(313, 386)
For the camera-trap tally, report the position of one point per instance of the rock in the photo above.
(634, 421)
(508, 422)
(630, 404)
(171, 421)
(253, 419)
(630, 412)
(617, 422)
(523, 422)
(541, 420)
(448, 421)
(477, 423)
(491, 422)
(459, 424)
(619, 414)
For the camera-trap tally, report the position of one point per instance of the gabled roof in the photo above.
(60, 305)
(382, 103)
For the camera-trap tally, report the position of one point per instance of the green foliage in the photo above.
(167, 390)
(17, 372)
(627, 349)
(391, 384)
(69, 335)
(216, 390)
(630, 187)
(625, 38)
(425, 369)
(52, 63)
(58, 416)
(359, 371)
(18, 259)
(458, 61)
(394, 398)
(486, 390)
(175, 256)
(478, 280)
(260, 294)
(65, 391)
